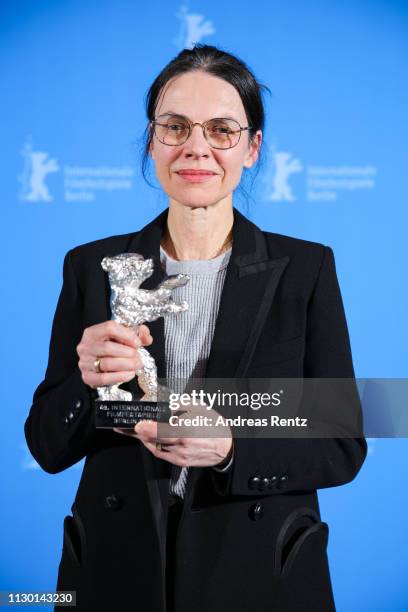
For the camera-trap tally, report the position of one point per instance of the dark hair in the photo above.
(219, 63)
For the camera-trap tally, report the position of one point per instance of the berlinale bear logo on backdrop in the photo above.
(37, 166)
(285, 165)
(193, 28)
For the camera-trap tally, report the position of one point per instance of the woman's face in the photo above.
(200, 96)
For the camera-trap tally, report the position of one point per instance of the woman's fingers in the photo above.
(144, 335)
(111, 364)
(113, 357)
(118, 364)
(114, 349)
(94, 379)
(110, 330)
(117, 349)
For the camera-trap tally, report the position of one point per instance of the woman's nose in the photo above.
(196, 141)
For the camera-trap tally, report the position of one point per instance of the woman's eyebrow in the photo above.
(170, 112)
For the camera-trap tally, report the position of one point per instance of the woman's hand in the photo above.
(209, 446)
(116, 347)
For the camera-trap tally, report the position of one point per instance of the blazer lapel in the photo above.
(249, 288)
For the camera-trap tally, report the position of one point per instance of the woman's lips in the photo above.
(195, 176)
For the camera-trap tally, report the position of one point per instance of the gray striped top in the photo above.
(188, 335)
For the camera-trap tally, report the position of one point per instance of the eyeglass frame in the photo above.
(191, 126)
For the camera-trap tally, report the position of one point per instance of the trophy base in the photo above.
(110, 414)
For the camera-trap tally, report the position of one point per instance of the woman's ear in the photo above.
(151, 152)
(253, 150)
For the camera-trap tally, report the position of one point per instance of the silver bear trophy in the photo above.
(133, 306)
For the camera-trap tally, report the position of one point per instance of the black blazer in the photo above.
(252, 536)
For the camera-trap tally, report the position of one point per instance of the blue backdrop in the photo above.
(74, 76)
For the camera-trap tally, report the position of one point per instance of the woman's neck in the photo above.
(197, 233)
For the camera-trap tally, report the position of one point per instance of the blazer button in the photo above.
(78, 404)
(112, 502)
(256, 512)
(253, 483)
(273, 481)
(283, 481)
(265, 481)
(70, 417)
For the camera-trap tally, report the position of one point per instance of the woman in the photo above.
(181, 523)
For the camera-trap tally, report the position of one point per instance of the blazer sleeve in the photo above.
(60, 428)
(272, 466)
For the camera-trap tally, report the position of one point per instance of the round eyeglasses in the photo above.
(220, 133)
